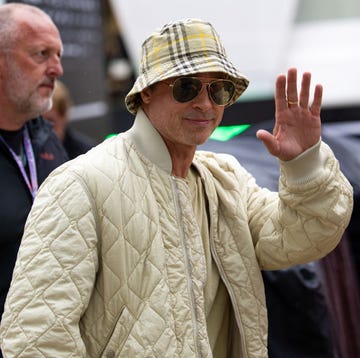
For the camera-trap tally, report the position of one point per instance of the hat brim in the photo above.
(198, 65)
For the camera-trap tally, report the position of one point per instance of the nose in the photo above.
(203, 101)
(55, 68)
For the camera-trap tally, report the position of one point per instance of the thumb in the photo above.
(268, 140)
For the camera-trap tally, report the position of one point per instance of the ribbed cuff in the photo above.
(305, 167)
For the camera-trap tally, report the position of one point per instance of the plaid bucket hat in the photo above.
(181, 48)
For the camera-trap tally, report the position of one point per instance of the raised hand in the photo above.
(297, 125)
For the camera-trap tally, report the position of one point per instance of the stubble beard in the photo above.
(26, 99)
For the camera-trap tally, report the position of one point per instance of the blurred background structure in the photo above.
(264, 38)
(102, 42)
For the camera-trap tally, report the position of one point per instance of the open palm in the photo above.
(297, 125)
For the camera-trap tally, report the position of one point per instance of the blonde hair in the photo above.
(61, 98)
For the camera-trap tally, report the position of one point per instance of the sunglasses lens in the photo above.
(222, 91)
(186, 88)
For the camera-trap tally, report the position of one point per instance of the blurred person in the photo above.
(74, 142)
(153, 248)
(30, 53)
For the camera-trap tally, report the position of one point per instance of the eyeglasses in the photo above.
(185, 89)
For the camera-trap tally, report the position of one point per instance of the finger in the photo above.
(280, 95)
(268, 140)
(305, 90)
(316, 105)
(291, 89)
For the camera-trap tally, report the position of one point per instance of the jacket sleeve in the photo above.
(307, 218)
(54, 273)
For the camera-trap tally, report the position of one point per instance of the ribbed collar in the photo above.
(149, 142)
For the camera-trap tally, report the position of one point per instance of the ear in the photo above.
(146, 95)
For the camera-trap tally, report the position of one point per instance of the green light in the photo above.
(224, 133)
(221, 133)
(111, 135)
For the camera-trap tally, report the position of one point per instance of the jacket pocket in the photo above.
(119, 335)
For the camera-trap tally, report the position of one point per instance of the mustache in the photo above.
(48, 81)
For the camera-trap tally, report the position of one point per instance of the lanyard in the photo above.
(31, 183)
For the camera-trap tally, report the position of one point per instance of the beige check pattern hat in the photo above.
(182, 48)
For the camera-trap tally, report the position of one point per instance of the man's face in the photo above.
(31, 67)
(182, 124)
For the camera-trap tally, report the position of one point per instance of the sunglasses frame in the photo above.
(208, 84)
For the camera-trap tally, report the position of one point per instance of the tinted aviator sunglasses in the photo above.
(185, 89)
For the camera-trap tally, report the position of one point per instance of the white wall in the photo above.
(331, 50)
(263, 39)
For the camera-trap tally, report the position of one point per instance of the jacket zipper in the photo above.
(188, 267)
(226, 282)
(231, 295)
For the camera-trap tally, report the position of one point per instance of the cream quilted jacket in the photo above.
(112, 264)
